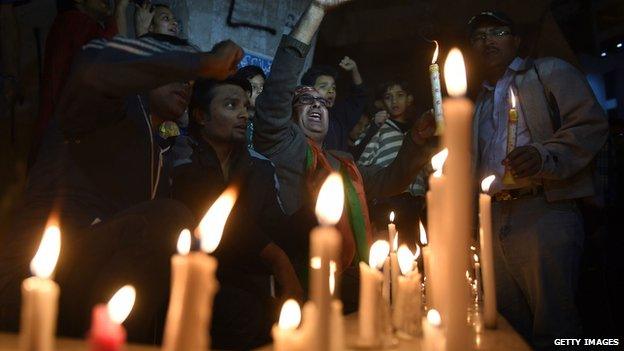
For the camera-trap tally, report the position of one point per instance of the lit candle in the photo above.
(388, 270)
(107, 333)
(286, 336)
(324, 249)
(512, 128)
(391, 227)
(436, 91)
(337, 342)
(435, 222)
(371, 301)
(406, 315)
(433, 336)
(40, 296)
(394, 267)
(487, 254)
(458, 112)
(193, 281)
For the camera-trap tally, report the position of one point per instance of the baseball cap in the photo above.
(491, 16)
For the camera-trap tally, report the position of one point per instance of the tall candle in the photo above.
(107, 333)
(457, 201)
(436, 91)
(406, 315)
(433, 335)
(487, 255)
(286, 336)
(394, 267)
(512, 132)
(193, 281)
(391, 227)
(324, 249)
(435, 226)
(40, 296)
(371, 302)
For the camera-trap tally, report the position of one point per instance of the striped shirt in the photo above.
(383, 149)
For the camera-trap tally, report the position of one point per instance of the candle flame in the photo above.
(437, 162)
(290, 315)
(395, 242)
(417, 254)
(184, 242)
(330, 201)
(120, 305)
(468, 276)
(433, 317)
(315, 262)
(513, 98)
(44, 262)
(487, 182)
(435, 53)
(475, 257)
(210, 228)
(391, 216)
(423, 234)
(332, 277)
(378, 253)
(406, 259)
(455, 73)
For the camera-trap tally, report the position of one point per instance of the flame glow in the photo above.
(513, 98)
(210, 229)
(435, 53)
(455, 73)
(184, 242)
(315, 262)
(417, 254)
(476, 258)
(44, 262)
(487, 182)
(423, 234)
(120, 305)
(290, 315)
(332, 277)
(391, 216)
(330, 201)
(433, 317)
(406, 259)
(378, 253)
(437, 162)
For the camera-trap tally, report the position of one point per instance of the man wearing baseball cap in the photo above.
(546, 154)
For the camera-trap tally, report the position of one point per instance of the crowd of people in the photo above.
(137, 137)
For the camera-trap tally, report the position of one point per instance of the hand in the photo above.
(381, 117)
(424, 127)
(227, 54)
(143, 16)
(348, 64)
(326, 4)
(523, 161)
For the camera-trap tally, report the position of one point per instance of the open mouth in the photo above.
(315, 116)
(491, 51)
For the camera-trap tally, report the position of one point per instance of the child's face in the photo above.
(326, 85)
(396, 100)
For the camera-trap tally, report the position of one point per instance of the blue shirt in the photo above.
(493, 119)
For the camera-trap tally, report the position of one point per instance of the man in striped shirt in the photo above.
(383, 148)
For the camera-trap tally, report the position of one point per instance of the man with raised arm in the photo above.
(291, 126)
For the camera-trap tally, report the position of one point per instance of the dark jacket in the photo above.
(256, 219)
(278, 137)
(343, 116)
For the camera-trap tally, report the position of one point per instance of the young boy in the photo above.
(382, 149)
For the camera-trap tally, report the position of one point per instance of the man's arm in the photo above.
(120, 17)
(584, 126)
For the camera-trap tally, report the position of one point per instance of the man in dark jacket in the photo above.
(343, 114)
(211, 158)
(99, 174)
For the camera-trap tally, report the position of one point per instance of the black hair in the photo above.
(383, 87)
(204, 92)
(309, 78)
(248, 72)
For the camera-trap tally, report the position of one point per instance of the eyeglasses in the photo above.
(494, 32)
(307, 99)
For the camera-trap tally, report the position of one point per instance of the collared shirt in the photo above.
(493, 120)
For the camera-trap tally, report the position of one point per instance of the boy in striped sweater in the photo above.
(383, 148)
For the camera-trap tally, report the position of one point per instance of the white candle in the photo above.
(433, 254)
(406, 315)
(371, 301)
(512, 134)
(394, 267)
(40, 296)
(457, 201)
(286, 336)
(436, 91)
(386, 291)
(433, 335)
(487, 255)
(193, 281)
(324, 249)
(337, 342)
(391, 227)
(107, 333)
